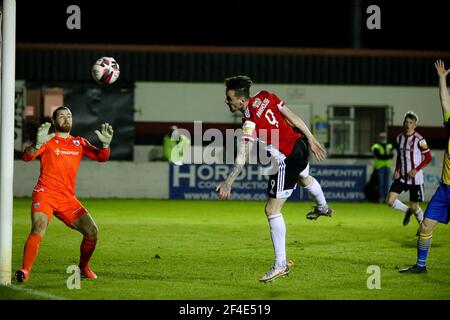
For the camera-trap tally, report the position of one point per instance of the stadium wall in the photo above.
(113, 179)
(150, 180)
(184, 102)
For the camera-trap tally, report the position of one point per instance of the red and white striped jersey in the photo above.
(264, 122)
(410, 150)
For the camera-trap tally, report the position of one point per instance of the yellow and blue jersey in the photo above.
(439, 207)
(446, 165)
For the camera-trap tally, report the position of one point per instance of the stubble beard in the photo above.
(65, 127)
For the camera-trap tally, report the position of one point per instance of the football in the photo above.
(105, 70)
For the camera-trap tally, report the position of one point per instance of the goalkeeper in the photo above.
(54, 194)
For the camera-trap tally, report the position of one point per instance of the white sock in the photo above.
(315, 191)
(419, 215)
(278, 234)
(398, 205)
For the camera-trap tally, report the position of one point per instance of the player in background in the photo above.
(54, 194)
(265, 117)
(439, 206)
(413, 155)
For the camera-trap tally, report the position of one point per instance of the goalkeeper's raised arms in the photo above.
(42, 135)
(105, 134)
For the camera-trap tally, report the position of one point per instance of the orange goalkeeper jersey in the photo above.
(60, 159)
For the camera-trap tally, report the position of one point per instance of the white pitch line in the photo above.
(35, 292)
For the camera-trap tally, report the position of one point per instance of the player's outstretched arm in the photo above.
(224, 189)
(316, 148)
(443, 91)
(105, 134)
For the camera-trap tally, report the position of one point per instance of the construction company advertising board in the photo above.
(339, 182)
(199, 181)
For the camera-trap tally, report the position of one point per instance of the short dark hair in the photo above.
(240, 85)
(411, 115)
(55, 113)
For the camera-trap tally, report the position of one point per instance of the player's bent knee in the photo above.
(90, 231)
(39, 227)
(269, 210)
(305, 181)
(93, 232)
(426, 228)
(39, 223)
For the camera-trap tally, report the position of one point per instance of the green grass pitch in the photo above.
(183, 250)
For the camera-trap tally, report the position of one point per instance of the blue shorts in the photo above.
(439, 206)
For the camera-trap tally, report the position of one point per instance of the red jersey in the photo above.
(264, 122)
(60, 159)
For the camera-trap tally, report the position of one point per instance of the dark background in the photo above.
(421, 25)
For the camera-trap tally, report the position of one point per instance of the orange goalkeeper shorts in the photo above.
(66, 208)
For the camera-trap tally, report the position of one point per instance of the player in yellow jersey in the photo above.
(439, 206)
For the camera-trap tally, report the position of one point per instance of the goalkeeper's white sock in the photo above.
(398, 205)
(278, 234)
(315, 191)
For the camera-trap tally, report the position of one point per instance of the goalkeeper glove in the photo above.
(42, 135)
(105, 134)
